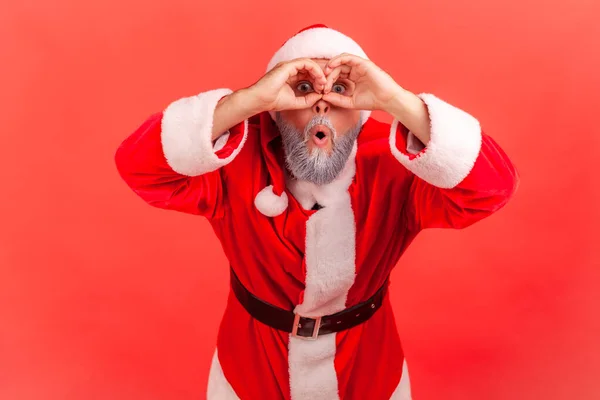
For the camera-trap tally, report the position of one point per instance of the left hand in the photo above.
(371, 88)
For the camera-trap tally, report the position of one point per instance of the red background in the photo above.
(103, 297)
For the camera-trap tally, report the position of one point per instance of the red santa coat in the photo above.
(314, 262)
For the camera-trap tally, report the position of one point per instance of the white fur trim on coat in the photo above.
(186, 134)
(403, 391)
(269, 204)
(218, 386)
(364, 116)
(220, 389)
(330, 273)
(453, 147)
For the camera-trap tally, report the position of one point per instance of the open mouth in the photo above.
(320, 135)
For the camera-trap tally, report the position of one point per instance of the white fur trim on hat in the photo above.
(269, 204)
(453, 147)
(316, 43)
(186, 134)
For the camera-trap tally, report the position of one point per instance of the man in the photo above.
(314, 203)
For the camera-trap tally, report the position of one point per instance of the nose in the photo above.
(321, 107)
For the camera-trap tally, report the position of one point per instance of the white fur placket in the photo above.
(330, 272)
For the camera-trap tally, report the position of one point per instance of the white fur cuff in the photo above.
(186, 134)
(453, 147)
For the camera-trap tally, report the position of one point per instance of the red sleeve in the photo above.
(171, 163)
(460, 177)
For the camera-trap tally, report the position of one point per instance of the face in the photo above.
(318, 140)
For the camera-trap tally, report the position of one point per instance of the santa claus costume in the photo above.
(306, 261)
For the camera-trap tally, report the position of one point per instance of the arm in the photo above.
(460, 174)
(170, 160)
(232, 109)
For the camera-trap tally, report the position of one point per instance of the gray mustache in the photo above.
(318, 120)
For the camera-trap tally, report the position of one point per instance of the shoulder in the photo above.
(374, 139)
(374, 155)
(373, 132)
(377, 170)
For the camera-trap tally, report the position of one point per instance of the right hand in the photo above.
(276, 90)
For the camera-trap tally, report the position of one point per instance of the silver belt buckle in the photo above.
(315, 333)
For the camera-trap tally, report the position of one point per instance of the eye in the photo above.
(304, 87)
(338, 88)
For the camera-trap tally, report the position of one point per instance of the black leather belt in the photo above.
(308, 328)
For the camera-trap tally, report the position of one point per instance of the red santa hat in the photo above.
(315, 41)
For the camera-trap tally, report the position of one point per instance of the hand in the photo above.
(277, 90)
(364, 86)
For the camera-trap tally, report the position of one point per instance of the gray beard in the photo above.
(317, 166)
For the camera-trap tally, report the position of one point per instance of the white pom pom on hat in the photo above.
(269, 203)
